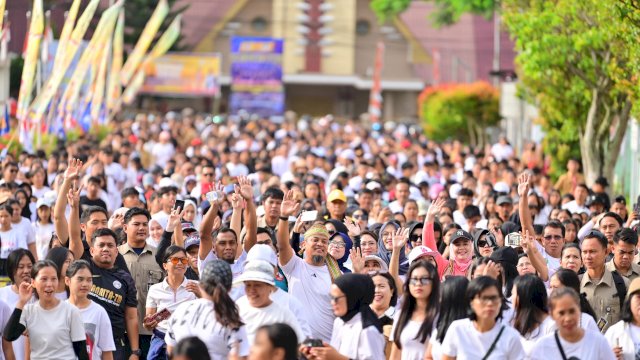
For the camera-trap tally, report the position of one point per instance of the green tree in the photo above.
(447, 11)
(138, 12)
(581, 62)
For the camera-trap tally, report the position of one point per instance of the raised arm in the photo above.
(236, 218)
(428, 236)
(75, 235)
(526, 221)
(206, 231)
(399, 240)
(59, 220)
(538, 262)
(246, 190)
(288, 208)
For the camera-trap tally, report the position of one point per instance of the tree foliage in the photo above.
(138, 12)
(581, 61)
(463, 111)
(447, 11)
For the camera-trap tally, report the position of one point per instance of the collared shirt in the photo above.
(633, 272)
(162, 296)
(145, 272)
(603, 297)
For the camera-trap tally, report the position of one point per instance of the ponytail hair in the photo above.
(225, 308)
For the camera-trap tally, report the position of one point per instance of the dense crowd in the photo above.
(196, 237)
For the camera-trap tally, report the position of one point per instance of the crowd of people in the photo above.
(188, 237)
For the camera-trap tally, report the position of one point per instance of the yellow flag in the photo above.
(3, 3)
(149, 32)
(103, 30)
(130, 92)
(113, 88)
(100, 82)
(50, 88)
(69, 23)
(34, 37)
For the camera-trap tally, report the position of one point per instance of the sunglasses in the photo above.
(415, 237)
(420, 281)
(483, 243)
(175, 261)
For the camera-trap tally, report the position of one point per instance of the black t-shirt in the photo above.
(86, 202)
(114, 290)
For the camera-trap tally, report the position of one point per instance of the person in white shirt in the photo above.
(624, 336)
(530, 315)
(43, 227)
(453, 294)
(482, 335)
(256, 307)
(9, 238)
(579, 205)
(357, 332)
(569, 278)
(570, 341)
(22, 227)
(97, 326)
(309, 279)
(163, 150)
(166, 296)
(214, 318)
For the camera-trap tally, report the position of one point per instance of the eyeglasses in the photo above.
(552, 237)
(175, 260)
(488, 300)
(387, 235)
(339, 244)
(334, 299)
(420, 281)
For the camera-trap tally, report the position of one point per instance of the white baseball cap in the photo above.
(257, 270)
(262, 252)
(420, 251)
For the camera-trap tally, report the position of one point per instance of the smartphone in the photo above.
(308, 216)
(513, 240)
(179, 204)
(313, 343)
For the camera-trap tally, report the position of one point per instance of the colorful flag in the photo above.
(114, 91)
(151, 28)
(65, 35)
(31, 59)
(3, 3)
(130, 92)
(5, 37)
(101, 79)
(5, 126)
(375, 99)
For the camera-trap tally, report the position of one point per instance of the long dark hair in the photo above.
(58, 256)
(570, 279)
(282, 336)
(453, 294)
(227, 313)
(13, 260)
(409, 304)
(531, 305)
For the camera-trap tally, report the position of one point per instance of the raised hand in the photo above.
(236, 200)
(497, 233)
(355, 254)
(174, 219)
(25, 291)
(73, 196)
(298, 227)
(434, 209)
(73, 169)
(246, 189)
(523, 184)
(492, 269)
(353, 227)
(289, 205)
(400, 238)
(217, 223)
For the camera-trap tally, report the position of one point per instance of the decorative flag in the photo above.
(375, 99)
(5, 37)
(165, 42)
(30, 60)
(65, 35)
(149, 32)
(113, 88)
(3, 3)
(100, 82)
(50, 88)
(5, 126)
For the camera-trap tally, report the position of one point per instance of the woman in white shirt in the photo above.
(62, 257)
(530, 316)
(453, 295)
(624, 336)
(43, 228)
(97, 325)
(54, 326)
(482, 335)
(174, 289)
(357, 333)
(569, 278)
(413, 324)
(570, 341)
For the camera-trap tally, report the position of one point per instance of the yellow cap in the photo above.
(337, 195)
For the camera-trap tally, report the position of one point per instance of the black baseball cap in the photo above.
(461, 234)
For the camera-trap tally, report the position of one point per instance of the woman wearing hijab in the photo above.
(339, 246)
(357, 333)
(484, 243)
(156, 227)
(385, 245)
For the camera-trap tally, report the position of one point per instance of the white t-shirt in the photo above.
(553, 264)
(161, 296)
(547, 327)
(436, 346)
(43, 237)
(254, 317)
(463, 341)
(287, 301)
(354, 342)
(25, 229)
(236, 268)
(592, 346)
(412, 348)
(53, 331)
(11, 240)
(5, 313)
(311, 285)
(162, 153)
(11, 299)
(97, 328)
(198, 318)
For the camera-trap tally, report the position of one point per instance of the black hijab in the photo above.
(359, 290)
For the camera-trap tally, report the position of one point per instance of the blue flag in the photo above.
(5, 126)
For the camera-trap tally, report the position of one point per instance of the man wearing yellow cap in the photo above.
(336, 205)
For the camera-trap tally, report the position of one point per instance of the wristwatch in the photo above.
(136, 352)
